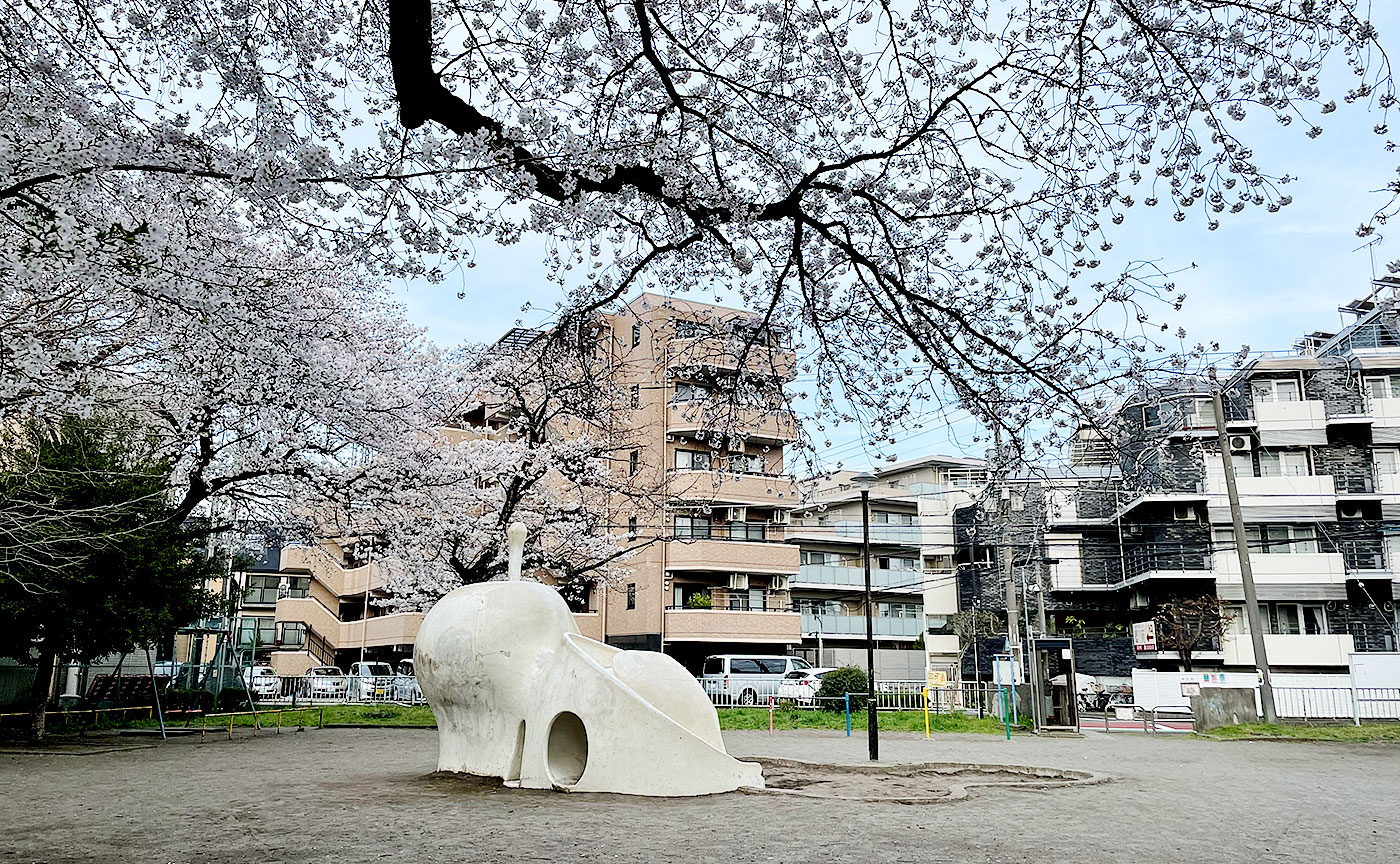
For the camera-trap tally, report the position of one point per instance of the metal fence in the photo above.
(889, 695)
(1330, 704)
(335, 689)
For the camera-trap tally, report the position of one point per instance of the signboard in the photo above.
(937, 678)
(1145, 636)
(1190, 688)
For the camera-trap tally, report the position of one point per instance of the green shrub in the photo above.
(233, 699)
(837, 683)
(699, 601)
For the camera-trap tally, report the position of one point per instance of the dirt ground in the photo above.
(358, 795)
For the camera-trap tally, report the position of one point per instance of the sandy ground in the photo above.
(351, 796)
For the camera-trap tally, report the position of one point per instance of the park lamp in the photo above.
(864, 480)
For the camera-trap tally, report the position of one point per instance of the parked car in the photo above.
(324, 682)
(746, 679)
(370, 682)
(406, 683)
(262, 682)
(801, 685)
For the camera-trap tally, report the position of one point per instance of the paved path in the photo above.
(350, 796)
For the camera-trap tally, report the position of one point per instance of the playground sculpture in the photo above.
(520, 694)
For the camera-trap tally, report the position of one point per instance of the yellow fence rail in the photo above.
(260, 719)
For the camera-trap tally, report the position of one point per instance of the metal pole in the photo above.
(872, 724)
(1251, 598)
(155, 691)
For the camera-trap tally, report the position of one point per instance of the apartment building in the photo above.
(1141, 517)
(910, 558)
(712, 572)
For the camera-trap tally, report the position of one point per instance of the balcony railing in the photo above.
(1150, 557)
(1363, 554)
(854, 625)
(854, 577)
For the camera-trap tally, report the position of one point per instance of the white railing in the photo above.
(335, 689)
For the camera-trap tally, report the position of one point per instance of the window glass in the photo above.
(636, 395)
(774, 665)
(688, 392)
(713, 666)
(1314, 620)
(1269, 465)
(691, 329)
(1243, 464)
(741, 666)
(299, 586)
(1304, 540)
(693, 460)
(636, 335)
(1387, 461)
(1278, 540)
(1203, 415)
(799, 663)
(1151, 415)
(692, 526)
(1293, 463)
(1288, 622)
(795, 675)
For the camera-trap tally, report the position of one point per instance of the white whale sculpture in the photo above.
(521, 695)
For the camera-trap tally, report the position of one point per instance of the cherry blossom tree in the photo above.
(925, 196)
(532, 431)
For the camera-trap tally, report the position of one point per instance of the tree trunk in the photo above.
(39, 693)
(1185, 660)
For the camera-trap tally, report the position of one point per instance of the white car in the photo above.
(324, 682)
(370, 682)
(406, 684)
(801, 685)
(262, 682)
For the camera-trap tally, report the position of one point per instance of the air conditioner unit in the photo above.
(1241, 443)
(781, 517)
(1349, 510)
(778, 583)
(738, 514)
(738, 581)
(1184, 513)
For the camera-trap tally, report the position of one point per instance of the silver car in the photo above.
(324, 683)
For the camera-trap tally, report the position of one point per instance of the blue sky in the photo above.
(1260, 280)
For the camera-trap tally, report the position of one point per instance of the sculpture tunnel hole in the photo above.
(567, 752)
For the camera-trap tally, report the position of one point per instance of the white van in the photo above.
(746, 679)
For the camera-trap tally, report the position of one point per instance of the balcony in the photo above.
(1290, 650)
(1385, 420)
(1291, 424)
(823, 576)
(732, 556)
(1298, 568)
(590, 624)
(397, 629)
(761, 490)
(776, 426)
(342, 581)
(1146, 561)
(854, 626)
(723, 352)
(1276, 498)
(732, 625)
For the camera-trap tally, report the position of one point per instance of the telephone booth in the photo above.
(1053, 686)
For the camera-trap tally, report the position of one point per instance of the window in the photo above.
(631, 595)
(262, 589)
(747, 463)
(693, 460)
(880, 518)
(299, 586)
(898, 563)
(1283, 463)
(809, 606)
(636, 335)
(1200, 414)
(1151, 416)
(1287, 619)
(263, 629)
(713, 666)
(636, 395)
(821, 559)
(1271, 539)
(899, 610)
(691, 329)
(693, 527)
(748, 531)
(1383, 387)
(940, 625)
(1387, 460)
(293, 633)
(1276, 390)
(743, 666)
(634, 460)
(687, 391)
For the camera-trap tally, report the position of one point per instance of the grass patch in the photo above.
(1366, 732)
(890, 721)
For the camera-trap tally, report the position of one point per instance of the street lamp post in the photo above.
(865, 479)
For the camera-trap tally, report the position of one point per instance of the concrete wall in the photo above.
(1223, 706)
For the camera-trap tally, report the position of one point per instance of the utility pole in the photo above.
(1251, 598)
(871, 724)
(1013, 609)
